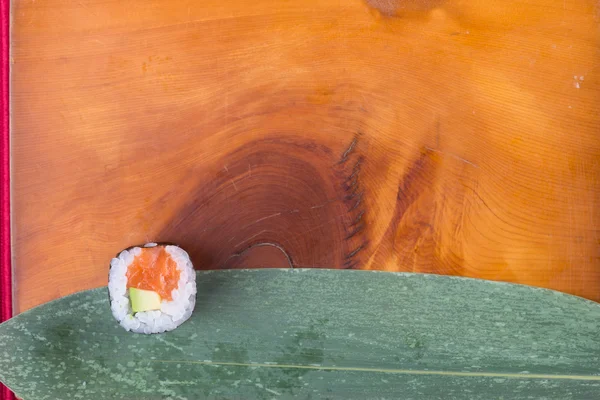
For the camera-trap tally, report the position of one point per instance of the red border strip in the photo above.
(5, 247)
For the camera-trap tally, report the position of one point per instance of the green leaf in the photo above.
(316, 334)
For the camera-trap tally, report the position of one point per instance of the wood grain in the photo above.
(449, 137)
(309, 333)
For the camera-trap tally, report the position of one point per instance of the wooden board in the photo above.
(450, 137)
(316, 334)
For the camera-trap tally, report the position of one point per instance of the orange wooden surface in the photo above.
(452, 137)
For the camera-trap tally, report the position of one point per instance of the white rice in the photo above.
(171, 314)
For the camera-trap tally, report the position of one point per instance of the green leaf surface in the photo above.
(320, 334)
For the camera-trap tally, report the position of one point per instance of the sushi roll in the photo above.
(152, 288)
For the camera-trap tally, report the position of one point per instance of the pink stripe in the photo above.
(5, 250)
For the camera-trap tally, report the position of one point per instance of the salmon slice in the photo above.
(154, 269)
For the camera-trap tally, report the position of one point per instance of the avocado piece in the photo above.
(144, 300)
